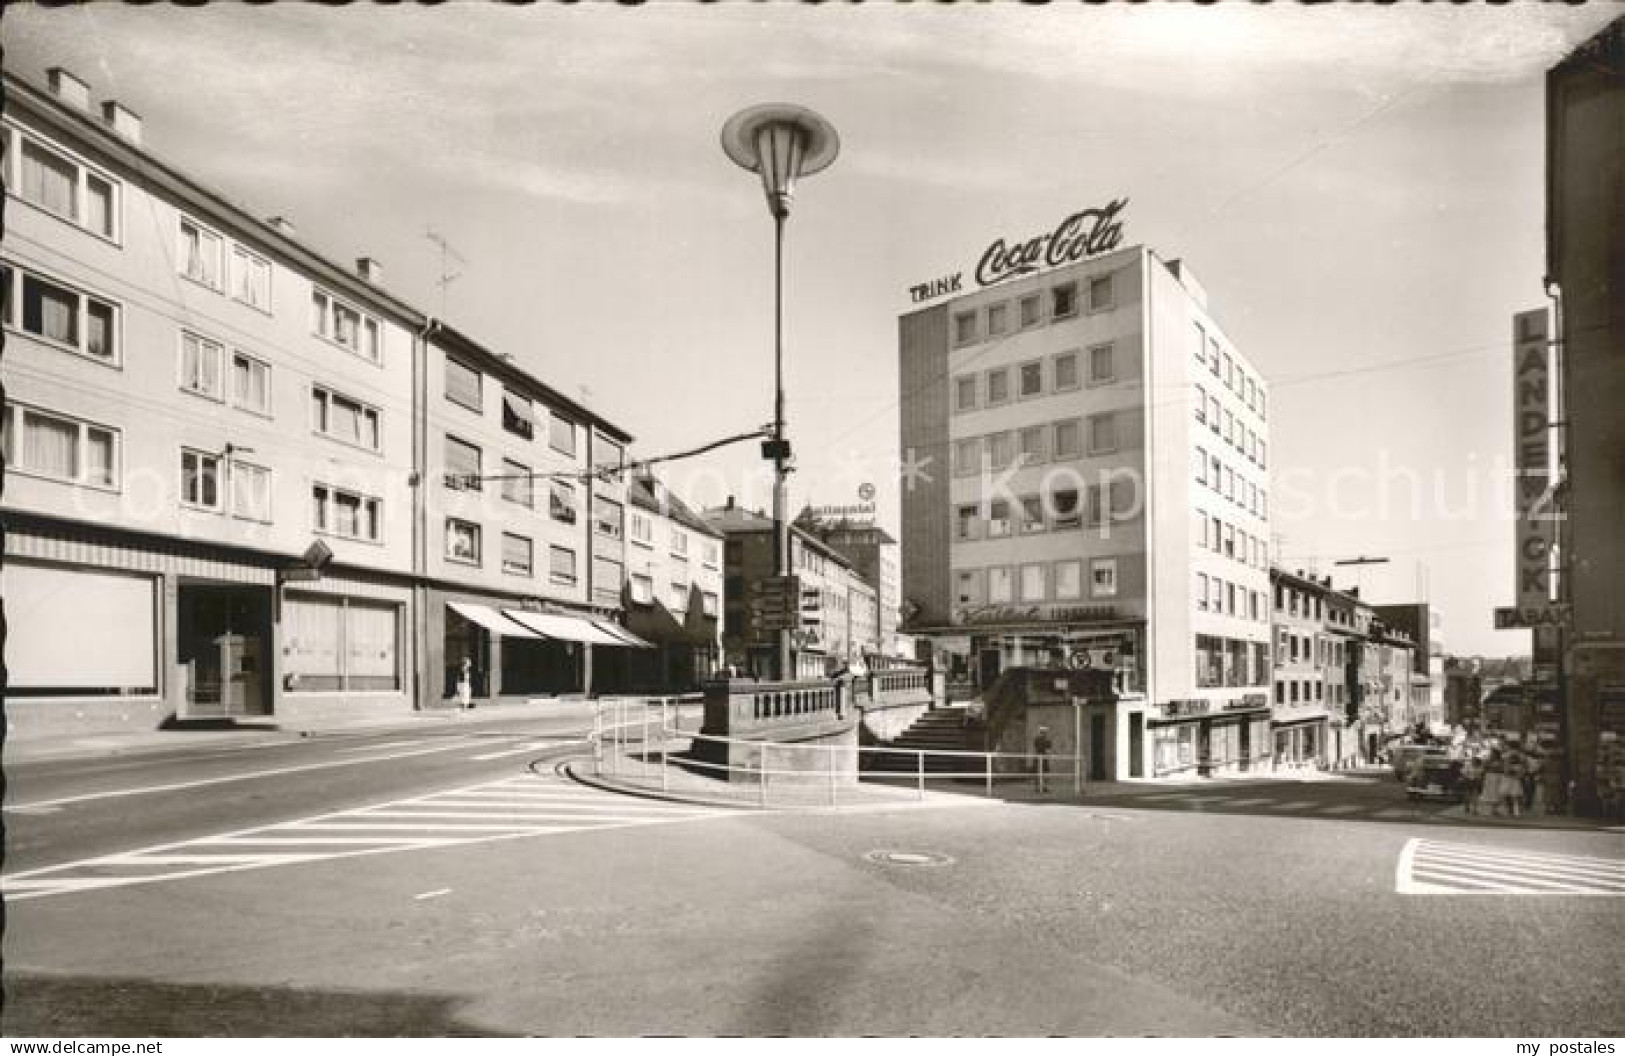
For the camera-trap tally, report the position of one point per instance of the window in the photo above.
(346, 513)
(968, 587)
(1066, 371)
(561, 567)
(62, 315)
(1028, 307)
(1201, 592)
(1068, 580)
(250, 279)
(1200, 348)
(201, 366)
(712, 553)
(1213, 355)
(462, 541)
(1103, 577)
(998, 319)
(1064, 300)
(1102, 433)
(998, 519)
(1216, 476)
(1229, 371)
(1102, 370)
(1100, 293)
(965, 522)
(516, 554)
(561, 504)
(641, 530)
(609, 453)
(606, 517)
(965, 393)
(1252, 393)
(1032, 582)
(1032, 444)
(200, 480)
(964, 328)
(345, 326)
(1214, 417)
(250, 492)
(1065, 507)
(463, 385)
(1263, 459)
(1201, 404)
(1230, 598)
(708, 603)
(1229, 483)
(518, 486)
(1001, 449)
(643, 588)
(518, 416)
(1229, 428)
(200, 254)
(998, 386)
(677, 598)
(60, 184)
(1032, 514)
(1068, 439)
(463, 466)
(1201, 465)
(967, 457)
(352, 422)
(1201, 531)
(1031, 379)
(1000, 586)
(40, 443)
(342, 644)
(250, 383)
(561, 435)
(679, 542)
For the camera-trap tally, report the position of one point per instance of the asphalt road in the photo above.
(1125, 915)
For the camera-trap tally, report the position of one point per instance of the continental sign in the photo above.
(1084, 234)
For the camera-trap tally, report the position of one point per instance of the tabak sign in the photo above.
(1084, 234)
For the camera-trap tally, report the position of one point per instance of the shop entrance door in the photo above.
(1136, 745)
(1097, 747)
(988, 668)
(221, 657)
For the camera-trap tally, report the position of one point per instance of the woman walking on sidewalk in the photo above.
(1472, 782)
(1494, 775)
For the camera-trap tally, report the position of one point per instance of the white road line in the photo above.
(1431, 867)
(1518, 865)
(1251, 802)
(1297, 804)
(555, 803)
(371, 826)
(327, 841)
(537, 816)
(203, 782)
(382, 747)
(1604, 865)
(1346, 808)
(431, 894)
(533, 746)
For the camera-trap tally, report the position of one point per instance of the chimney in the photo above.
(122, 119)
(369, 269)
(283, 225)
(729, 504)
(68, 88)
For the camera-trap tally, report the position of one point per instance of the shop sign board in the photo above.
(1537, 516)
(1542, 614)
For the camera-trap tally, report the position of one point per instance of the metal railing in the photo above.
(639, 742)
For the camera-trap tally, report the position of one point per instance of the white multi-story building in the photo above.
(1097, 495)
(674, 592)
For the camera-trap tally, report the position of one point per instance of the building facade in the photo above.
(1098, 495)
(1423, 625)
(1307, 673)
(839, 612)
(226, 458)
(872, 554)
(1585, 272)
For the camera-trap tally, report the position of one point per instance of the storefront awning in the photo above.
(626, 636)
(564, 628)
(491, 620)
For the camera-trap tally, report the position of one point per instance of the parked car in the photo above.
(1405, 756)
(1436, 777)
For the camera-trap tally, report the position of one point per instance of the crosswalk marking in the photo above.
(529, 746)
(1299, 804)
(1434, 867)
(527, 805)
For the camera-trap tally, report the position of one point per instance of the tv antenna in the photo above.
(447, 255)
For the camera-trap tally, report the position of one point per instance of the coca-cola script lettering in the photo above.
(1081, 235)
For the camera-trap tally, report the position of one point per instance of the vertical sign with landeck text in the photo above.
(1537, 516)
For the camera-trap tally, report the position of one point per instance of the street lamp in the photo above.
(781, 142)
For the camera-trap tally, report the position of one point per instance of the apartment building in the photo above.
(1097, 496)
(220, 467)
(1304, 701)
(872, 553)
(839, 611)
(674, 592)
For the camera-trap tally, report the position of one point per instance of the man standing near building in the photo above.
(1041, 750)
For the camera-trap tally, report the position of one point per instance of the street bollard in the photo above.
(920, 773)
(988, 759)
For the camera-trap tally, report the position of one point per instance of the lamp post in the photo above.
(781, 142)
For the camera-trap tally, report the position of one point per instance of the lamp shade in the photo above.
(782, 142)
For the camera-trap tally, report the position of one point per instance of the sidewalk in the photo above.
(268, 731)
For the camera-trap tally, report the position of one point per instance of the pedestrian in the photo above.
(1531, 780)
(1041, 750)
(1494, 774)
(1472, 782)
(465, 685)
(1512, 787)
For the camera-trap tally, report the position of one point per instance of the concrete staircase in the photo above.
(938, 730)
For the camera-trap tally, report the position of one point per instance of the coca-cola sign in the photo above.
(1084, 234)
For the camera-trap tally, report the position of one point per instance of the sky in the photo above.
(1359, 188)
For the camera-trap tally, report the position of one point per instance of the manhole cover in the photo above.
(927, 858)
